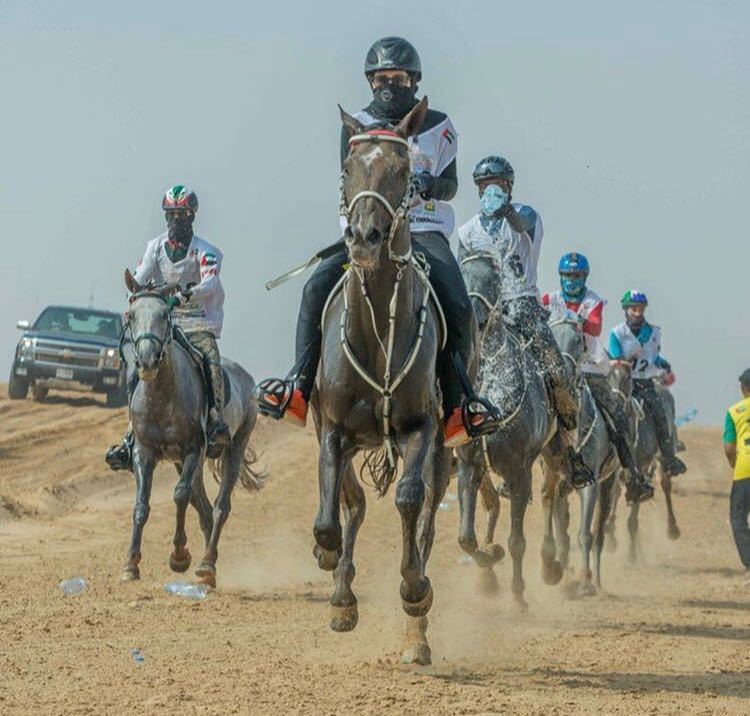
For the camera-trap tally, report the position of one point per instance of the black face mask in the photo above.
(180, 228)
(392, 101)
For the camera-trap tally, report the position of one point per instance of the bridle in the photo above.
(400, 212)
(163, 341)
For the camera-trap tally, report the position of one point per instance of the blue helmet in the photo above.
(573, 263)
(634, 297)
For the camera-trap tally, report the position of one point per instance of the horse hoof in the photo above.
(344, 618)
(206, 574)
(552, 572)
(328, 538)
(130, 574)
(494, 552)
(488, 584)
(328, 560)
(585, 589)
(673, 532)
(420, 608)
(418, 653)
(521, 603)
(180, 565)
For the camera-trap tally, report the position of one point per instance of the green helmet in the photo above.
(180, 197)
(634, 297)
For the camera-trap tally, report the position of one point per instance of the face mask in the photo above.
(180, 228)
(493, 199)
(393, 101)
(572, 286)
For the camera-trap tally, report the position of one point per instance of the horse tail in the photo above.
(381, 473)
(250, 478)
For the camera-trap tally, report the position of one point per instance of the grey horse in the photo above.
(168, 412)
(646, 453)
(376, 385)
(512, 379)
(599, 455)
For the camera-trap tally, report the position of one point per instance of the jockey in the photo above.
(575, 296)
(513, 232)
(180, 259)
(393, 69)
(639, 342)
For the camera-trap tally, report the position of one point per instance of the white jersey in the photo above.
(517, 254)
(431, 151)
(643, 357)
(199, 271)
(595, 359)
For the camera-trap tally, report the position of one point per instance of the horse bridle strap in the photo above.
(163, 341)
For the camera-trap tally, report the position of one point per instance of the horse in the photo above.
(168, 410)
(512, 379)
(598, 454)
(646, 448)
(376, 387)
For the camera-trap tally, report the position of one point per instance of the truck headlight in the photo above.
(111, 359)
(26, 348)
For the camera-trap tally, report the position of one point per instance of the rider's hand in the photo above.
(669, 378)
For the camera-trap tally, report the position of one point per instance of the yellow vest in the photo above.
(740, 414)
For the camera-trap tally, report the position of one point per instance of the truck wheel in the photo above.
(39, 393)
(117, 398)
(18, 387)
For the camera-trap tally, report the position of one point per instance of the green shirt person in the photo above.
(737, 450)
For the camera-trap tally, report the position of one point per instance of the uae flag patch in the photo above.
(208, 260)
(448, 135)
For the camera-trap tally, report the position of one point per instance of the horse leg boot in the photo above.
(416, 590)
(645, 390)
(639, 488)
(219, 436)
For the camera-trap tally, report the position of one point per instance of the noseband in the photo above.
(163, 341)
(400, 212)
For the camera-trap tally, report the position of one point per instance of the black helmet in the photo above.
(393, 53)
(493, 167)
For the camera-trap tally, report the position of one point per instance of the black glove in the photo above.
(423, 184)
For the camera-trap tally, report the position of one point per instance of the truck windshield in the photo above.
(68, 320)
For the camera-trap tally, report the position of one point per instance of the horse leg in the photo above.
(199, 500)
(633, 532)
(605, 504)
(179, 560)
(561, 514)
(520, 488)
(333, 464)
(609, 525)
(416, 590)
(344, 614)
(435, 492)
(673, 531)
(588, 496)
(144, 461)
(552, 570)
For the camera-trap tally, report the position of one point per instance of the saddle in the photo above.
(202, 364)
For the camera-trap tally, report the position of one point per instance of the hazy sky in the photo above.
(628, 126)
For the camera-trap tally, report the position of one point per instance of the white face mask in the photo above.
(493, 199)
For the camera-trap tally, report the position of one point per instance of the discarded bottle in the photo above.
(444, 506)
(74, 585)
(185, 589)
(137, 656)
(686, 417)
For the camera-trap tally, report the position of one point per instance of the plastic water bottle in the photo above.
(686, 417)
(137, 656)
(74, 585)
(185, 589)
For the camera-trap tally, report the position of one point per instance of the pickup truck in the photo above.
(69, 348)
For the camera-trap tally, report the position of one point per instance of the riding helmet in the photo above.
(179, 196)
(393, 53)
(491, 167)
(573, 263)
(634, 297)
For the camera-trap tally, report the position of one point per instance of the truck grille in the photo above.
(67, 354)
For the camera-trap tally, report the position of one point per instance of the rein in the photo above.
(163, 341)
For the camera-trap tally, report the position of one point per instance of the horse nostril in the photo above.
(373, 236)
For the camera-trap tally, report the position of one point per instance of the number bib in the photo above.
(642, 357)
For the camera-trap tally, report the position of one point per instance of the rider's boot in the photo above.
(217, 431)
(671, 464)
(120, 456)
(578, 472)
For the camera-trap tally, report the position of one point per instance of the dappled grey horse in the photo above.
(646, 451)
(600, 457)
(512, 379)
(376, 386)
(168, 410)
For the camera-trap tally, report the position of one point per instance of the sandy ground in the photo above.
(669, 635)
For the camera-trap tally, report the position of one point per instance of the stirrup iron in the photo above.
(273, 396)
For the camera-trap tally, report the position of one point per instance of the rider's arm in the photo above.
(210, 283)
(443, 187)
(593, 323)
(522, 220)
(144, 272)
(615, 348)
(730, 439)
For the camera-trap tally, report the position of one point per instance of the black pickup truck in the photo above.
(69, 348)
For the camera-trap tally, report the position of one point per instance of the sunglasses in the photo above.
(402, 80)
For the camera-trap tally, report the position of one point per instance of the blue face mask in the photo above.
(573, 287)
(493, 199)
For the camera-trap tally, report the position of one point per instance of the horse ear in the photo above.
(132, 285)
(351, 125)
(412, 123)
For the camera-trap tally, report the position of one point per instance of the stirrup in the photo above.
(638, 490)
(580, 473)
(273, 396)
(480, 417)
(120, 456)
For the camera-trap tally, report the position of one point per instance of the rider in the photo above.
(639, 342)
(180, 259)
(513, 233)
(393, 69)
(588, 306)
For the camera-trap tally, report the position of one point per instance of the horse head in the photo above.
(376, 186)
(483, 285)
(620, 378)
(149, 325)
(566, 329)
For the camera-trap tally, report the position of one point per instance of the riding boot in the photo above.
(577, 472)
(120, 456)
(646, 391)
